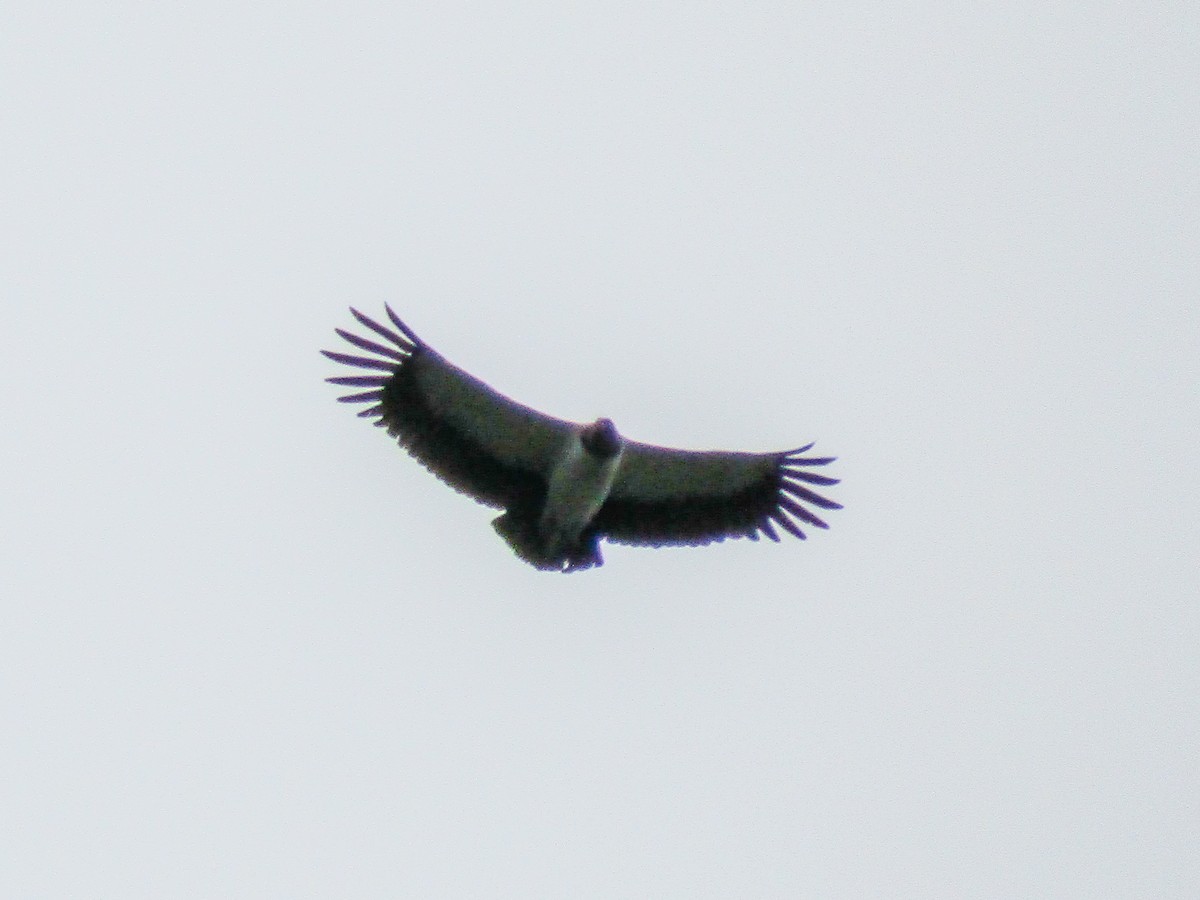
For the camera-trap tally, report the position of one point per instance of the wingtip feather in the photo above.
(359, 380)
(370, 346)
(404, 344)
(364, 397)
(810, 477)
(803, 493)
(805, 515)
(769, 530)
(363, 362)
(408, 332)
(782, 519)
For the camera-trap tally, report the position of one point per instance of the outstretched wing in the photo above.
(666, 496)
(472, 437)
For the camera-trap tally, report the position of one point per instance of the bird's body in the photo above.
(564, 486)
(578, 487)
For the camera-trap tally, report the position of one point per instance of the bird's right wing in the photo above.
(474, 438)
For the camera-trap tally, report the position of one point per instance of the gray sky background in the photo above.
(250, 649)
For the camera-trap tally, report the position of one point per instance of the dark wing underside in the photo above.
(472, 437)
(665, 496)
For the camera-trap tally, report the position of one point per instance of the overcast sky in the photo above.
(250, 649)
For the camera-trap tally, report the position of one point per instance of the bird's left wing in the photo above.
(471, 436)
(667, 496)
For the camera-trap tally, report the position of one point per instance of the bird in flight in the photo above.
(564, 486)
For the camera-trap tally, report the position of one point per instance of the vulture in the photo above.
(563, 485)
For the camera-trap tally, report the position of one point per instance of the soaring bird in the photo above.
(563, 485)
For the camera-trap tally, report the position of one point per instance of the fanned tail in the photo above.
(523, 536)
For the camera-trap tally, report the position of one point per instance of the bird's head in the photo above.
(600, 439)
